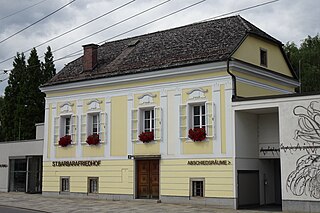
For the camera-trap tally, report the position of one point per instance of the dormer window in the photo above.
(263, 57)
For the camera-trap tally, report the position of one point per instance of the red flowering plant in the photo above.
(65, 140)
(146, 137)
(197, 134)
(93, 139)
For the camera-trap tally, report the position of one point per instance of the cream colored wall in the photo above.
(246, 90)
(175, 178)
(249, 51)
(152, 148)
(50, 133)
(93, 150)
(263, 81)
(115, 177)
(138, 84)
(119, 122)
(223, 119)
(188, 146)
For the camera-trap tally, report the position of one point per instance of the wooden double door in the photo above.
(148, 179)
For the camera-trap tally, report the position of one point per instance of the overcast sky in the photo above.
(286, 20)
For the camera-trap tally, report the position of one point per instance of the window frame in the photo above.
(263, 57)
(63, 125)
(89, 190)
(90, 124)
(192, 181)
(202, 115)
(142, 127)
(62, 190)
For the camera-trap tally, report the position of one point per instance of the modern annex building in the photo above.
(165, 88)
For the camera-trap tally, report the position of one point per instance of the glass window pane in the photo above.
(147, 114)
(196, 110)
(203, 109)
(203, 120)
(196, 121)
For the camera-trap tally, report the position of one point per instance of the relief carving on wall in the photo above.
(66, 107)
(146, 98)
(197, 93)
(305, 179)
(94, 104)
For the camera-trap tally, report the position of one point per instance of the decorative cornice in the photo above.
(197, 89)
(147, 94)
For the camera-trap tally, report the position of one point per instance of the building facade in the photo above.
(21, 164)
(145, 97)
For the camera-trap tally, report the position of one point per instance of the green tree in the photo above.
(24, 104)
(14, 99)
(2, 138)
(306, 59)
(48, 68)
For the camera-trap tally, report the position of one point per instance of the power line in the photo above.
(73, 29)
(76, 53)
(240, 10)
(23, 29)
(111, 26)
(19, 11)
(140, 26)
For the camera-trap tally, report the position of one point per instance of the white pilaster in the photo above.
(164, 122)
(46, 131)
(53, 147)
(108, 141)
(129, 126)
(216, 101)
(79, 130)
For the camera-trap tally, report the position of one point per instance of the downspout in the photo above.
(234, 85)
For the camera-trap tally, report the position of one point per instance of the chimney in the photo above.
(90, 56)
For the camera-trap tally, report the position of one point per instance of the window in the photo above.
(197, 187)
(198, 116)
(94, 123)
(93, 184)
(148, 120)
(263, 57)
(66, 125)
(65, 184)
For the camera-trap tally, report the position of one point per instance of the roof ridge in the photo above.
(244, 23)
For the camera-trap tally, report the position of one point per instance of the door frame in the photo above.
(141, 158)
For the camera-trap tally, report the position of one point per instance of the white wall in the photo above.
(16, 149)
(300, 157)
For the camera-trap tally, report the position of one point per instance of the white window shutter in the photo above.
(74, 122)
(158, 123)
(134, 124)
(213, 120)
(83, 128)
(102, 127)
(183, 121)
(209, 113)
(56, 130)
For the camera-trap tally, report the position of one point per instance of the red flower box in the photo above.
(197, 134)
(93, 139)
(146, 137)
(65, 140)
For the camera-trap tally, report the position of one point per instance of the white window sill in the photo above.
(85, 143)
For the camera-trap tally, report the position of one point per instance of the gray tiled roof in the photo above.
(197, 43)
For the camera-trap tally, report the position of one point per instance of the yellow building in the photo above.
(162, 88)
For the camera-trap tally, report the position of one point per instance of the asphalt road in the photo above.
(6, 209)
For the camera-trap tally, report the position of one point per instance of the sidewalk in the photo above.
(77, 205)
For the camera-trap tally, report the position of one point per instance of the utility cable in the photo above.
(73, 29)
(111, 26)
(135, 28)
(237, 11)
(23, 29)
(19, 11)
(240, 10)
